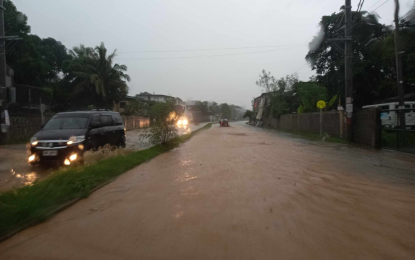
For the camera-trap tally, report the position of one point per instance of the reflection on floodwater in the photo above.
(30, 178)
(25, 179)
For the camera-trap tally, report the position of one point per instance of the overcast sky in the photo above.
(136, 27)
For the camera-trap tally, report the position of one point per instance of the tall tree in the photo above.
(266, 81)
(15, 22)
(35, 61)
(226, 111)
(215, 108)
(310, 93)
(203, 106)
(93, 68)
(374, 76)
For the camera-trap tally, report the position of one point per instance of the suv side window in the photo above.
(117, 119)
(106, 120)
(95, 121)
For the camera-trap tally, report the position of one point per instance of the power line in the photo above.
(371, 12)
(209, 56)
(379, 6)
(213, 49)
(361, 6)
(374, 4)
(357, 10)
(301, 67)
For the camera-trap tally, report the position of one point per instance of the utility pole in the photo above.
(399, 76)
(3, 88)
(348, 53)
(5, 122)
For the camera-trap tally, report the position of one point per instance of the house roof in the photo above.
(263, 94)
(156, 95)
(144, 94)
(134, 98)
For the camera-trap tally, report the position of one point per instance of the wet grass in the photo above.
(26, 206)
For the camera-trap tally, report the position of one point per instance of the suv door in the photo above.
(94, 139)
(107, 128)
(118, 129)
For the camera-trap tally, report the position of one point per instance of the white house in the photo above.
(160, 98)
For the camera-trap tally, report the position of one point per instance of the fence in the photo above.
(366, 125)
(310, 123)
(395, 136)
(24, 126)
(135, 122)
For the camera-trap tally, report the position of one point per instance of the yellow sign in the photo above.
(321, 104)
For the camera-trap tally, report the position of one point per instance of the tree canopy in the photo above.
(94, 71)
(74, 79)
(226, 111)
(374, 76)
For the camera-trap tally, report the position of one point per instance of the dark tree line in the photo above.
(70, 79)
(374, 63)
(374, 76)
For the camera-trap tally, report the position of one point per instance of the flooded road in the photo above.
(16, 172)
(241, 193)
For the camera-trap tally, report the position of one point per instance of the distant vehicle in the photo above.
(224, 122)
(390, 118)
(183, 122)
(67, 135)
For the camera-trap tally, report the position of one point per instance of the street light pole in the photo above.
(399, 76)
(348, 53)
(3, 88)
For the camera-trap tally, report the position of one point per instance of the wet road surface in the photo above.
(16, 172)
(241, 193)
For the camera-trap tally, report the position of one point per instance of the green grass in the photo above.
(315, 137)
(22, 207)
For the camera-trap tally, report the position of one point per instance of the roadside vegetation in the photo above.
(103, 153)
(164, 127)
(27, 206)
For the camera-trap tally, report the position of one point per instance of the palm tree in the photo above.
(95, 72)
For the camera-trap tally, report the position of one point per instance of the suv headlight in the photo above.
(33, 141)
(75, 139)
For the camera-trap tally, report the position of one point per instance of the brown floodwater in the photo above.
(241, 193)
(16, 172)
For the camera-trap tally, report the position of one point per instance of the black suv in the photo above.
(67, 135)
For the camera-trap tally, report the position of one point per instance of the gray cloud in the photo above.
(219, 72)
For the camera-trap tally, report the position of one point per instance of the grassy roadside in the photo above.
(315, 137)
(22, 207)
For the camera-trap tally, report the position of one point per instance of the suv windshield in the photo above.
(66, 123)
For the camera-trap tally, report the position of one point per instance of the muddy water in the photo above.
(14, 169)
(16, 172)
(241, 193)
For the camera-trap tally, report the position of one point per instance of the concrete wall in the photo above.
(310, 122)
(367, 127)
